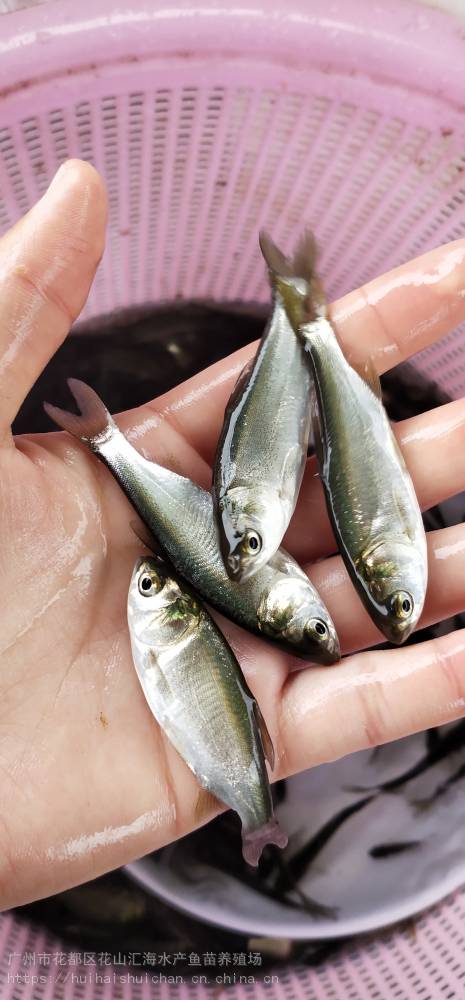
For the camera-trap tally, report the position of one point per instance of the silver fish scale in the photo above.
(269, 415)
(353, 442)
(180, 514)
(357, 442)
(194, 687)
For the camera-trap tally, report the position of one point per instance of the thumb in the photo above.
(47, 264)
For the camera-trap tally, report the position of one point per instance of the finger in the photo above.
(143, 427)
(370, 699)
(445, 595)
(390, 319)
(402, 312)
(47, 264)
(193, 411)
(433, 440)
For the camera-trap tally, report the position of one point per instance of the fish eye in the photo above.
(401, 605)
(148, 585)
(252, 543)
(318, 626)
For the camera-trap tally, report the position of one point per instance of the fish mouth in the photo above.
(397, 634)
(327, 657)
(324, 653)
(240, 565)
(239, 568)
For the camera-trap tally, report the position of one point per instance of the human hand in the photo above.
(89, 781)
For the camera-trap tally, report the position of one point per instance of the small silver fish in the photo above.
(279, 603)
(369, 493)
(196, 691)
(262, 450)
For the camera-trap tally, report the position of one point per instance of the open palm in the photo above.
(89, 781)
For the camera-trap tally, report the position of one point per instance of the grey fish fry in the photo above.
(196, 691)
(278, 603)
(262, 449)
(369, 493)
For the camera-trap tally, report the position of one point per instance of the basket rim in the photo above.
(403, 43)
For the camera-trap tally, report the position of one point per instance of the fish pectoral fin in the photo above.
(145, 536)
(398, 451)
(162, 682)
(369, 374)
(267, 743)
(403, 512)
(398, 503)
(291, 462)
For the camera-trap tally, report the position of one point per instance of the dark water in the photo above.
(127, 365)
(135, 362)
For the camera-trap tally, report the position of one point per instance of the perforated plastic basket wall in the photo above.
(208, 122)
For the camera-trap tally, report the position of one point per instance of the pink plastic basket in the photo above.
(208, 121)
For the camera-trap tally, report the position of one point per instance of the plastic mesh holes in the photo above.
(194, 170)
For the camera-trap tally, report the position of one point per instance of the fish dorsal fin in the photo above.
(368, 373)
(268, 747)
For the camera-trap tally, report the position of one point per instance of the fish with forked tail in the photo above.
(369, 494)
(262, 449)
(196, 691)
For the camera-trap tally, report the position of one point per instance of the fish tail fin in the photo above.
(276, 262)
(296, 280)
(303, 262)
(93, 419)
(305, 257)
(253, 841)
